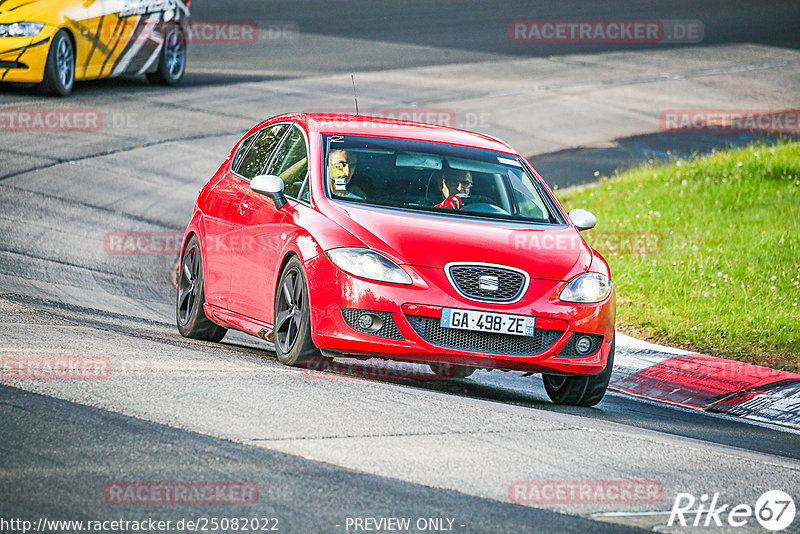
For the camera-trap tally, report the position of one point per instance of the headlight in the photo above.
(368, 264)
(21, 29)
(587, 287)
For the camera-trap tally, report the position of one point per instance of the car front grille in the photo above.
(430, 330)
(478, 282)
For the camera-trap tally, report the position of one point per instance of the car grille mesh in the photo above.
(467, 280)
(431, 331)
(388, 328)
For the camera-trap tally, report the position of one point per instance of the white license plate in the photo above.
(481, 321)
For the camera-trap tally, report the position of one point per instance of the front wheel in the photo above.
(579, 390)
(293, 344)
(172, 59)
(191, 318)
(59, 70)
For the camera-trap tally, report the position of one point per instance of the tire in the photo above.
(59, 70)
(451, 370)
(172, 59)
(579, 390)
(293, 343)
(189, 313)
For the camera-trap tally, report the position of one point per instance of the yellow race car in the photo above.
(52, 43)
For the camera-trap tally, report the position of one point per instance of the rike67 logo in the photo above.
(774, 511)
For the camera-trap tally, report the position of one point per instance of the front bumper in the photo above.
(415, 311)
(22, 59)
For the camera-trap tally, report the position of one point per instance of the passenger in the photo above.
(342, 167)
(453, 188)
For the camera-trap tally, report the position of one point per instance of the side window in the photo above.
(243, 148)
(291, 162)
(530, 203)
(259, 152)
(305, 192)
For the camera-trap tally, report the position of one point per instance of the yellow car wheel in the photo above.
(172, 60)
(59, 71)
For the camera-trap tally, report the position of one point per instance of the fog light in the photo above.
(583, 345)
(366, 321)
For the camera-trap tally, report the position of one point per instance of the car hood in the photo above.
(555, 252)
(54, 12)
(30, 10)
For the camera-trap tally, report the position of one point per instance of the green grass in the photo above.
(705, 252)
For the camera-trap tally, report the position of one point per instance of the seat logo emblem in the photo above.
(488, 282)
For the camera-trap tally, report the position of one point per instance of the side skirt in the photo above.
(234, 320)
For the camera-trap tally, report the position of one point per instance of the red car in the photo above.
(343, 235)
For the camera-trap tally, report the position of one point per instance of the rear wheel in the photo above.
(192, 320)
(451, 370)
(172, 60)
(579, 390)
(59, 70)
(293, 343)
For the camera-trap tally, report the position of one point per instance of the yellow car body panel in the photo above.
(111, 37)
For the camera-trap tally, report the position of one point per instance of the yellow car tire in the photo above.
(59, 71)
(172, 60)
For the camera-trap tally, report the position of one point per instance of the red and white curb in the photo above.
(706, 383)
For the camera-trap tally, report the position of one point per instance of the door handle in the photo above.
(244, 206)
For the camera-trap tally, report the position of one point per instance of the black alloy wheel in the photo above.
(293, 343)
(191, 318)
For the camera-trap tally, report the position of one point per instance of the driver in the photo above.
(466, 184)
(455, 188)
(342, 166)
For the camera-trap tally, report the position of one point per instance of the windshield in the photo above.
(434, 177)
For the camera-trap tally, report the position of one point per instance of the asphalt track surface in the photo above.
(304, 496)
(319, 448)
(483, 26)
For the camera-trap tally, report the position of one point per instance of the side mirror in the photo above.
(584, 220)
(271, 186)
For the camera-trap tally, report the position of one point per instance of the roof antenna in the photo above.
(353, 79)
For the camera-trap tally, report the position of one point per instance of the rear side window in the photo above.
(257, 153)
(243, 148)
(291, 162)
